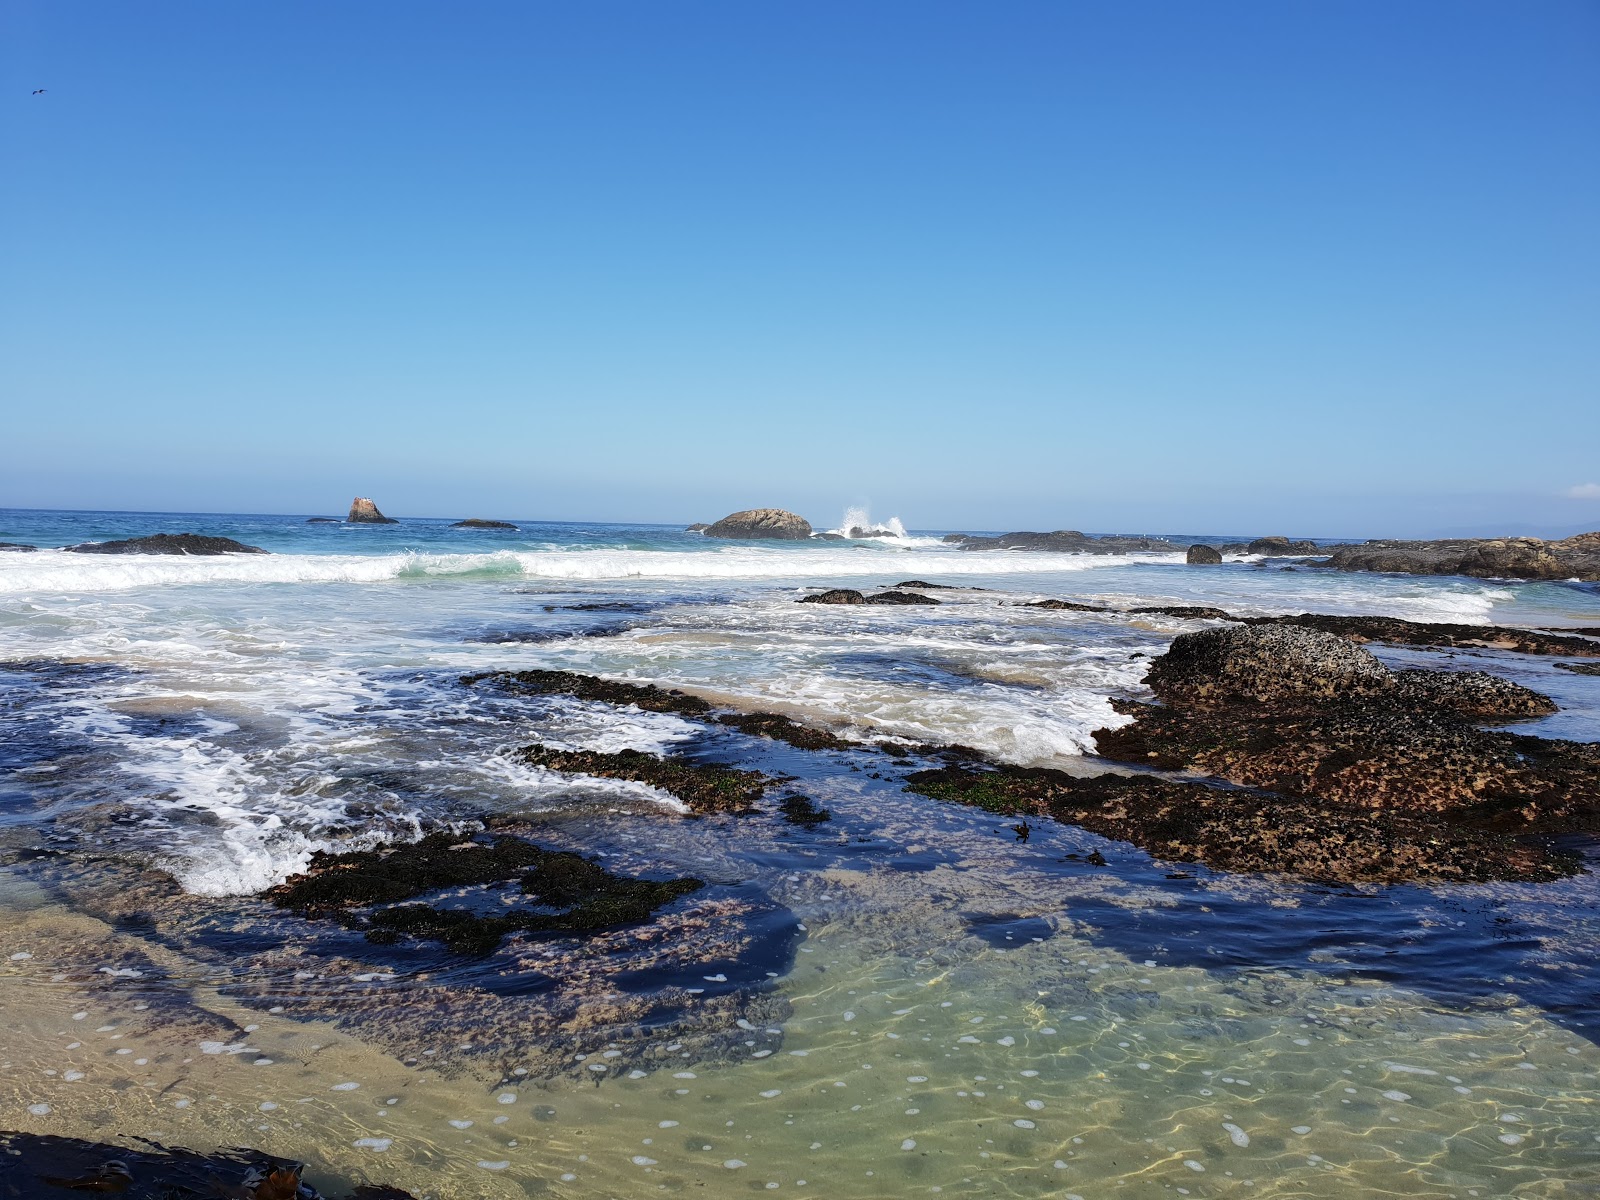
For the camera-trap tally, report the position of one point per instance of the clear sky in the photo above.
(1311, 268)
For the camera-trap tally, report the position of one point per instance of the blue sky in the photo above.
(1326, 269)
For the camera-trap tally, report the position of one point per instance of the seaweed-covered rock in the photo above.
(762, 523)
(1203, 556)
(898, 597)
(1476, 695)
(1581, 668)
(702, 787)
(169, 543)
(834, 596)
(1066, 606)
(1437, 633)
(1230, 830)
(1188, 612)
(41, 1166)
(782, 729)
(589, 687)
(365, 890)
(1265, 665)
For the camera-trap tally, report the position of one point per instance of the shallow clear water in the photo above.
(930, 1004)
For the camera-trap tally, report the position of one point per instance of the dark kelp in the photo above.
(703, 787)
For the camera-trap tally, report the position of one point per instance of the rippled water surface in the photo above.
(904, 999)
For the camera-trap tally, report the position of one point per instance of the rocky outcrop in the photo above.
(1203, 556)
(1440, 633)
(899, 597)
(1276, 547)
(858, 532)
(323, 521)
(16, 547)
(1063, 541)
(761, 523)
(40, 1165)
(1485, 558)
(480, 523)
(835, 596)
(697, 527)
(365, 512)
(168, 543)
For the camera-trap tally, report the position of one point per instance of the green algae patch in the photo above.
(365, 890)
(646, 696)
(702, 787)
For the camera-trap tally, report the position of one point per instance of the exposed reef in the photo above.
(851, 596)
(1063, 541)
(168, 543)
(703, 788)
(480, 523)
(39, 1167)
(587, 687)
(1492, 558)
(366, 889)
(16, 547)
(365, 512)
(767, 523)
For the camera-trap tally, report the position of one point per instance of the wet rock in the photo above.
(1581, 668)
(323, 521)
(1265, 665)
(16, 547)
(1190, 612)
(365, 512)
(834, 596)
(1067, 606)
(1231, 830)
(782, 729)
(697, 527)
(858, 532)
(767, 523)
(43, 1167)
(168, 543)
(1490, 558)
(1420, 633)
(803, 811)
(1203, 556)
(364, 890)
(922, 583)
(480, 523)
(703, 787)
(1063, 541)
(1276, 547)
(589, 687)
(1476, 695)
(896, 597)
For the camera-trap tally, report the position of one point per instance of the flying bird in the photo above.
(39, 91)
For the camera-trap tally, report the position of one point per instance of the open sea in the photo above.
(903, 1000)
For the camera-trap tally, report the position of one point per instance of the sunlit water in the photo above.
(931, 1006)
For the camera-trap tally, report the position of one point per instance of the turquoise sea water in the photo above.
(910, 1002)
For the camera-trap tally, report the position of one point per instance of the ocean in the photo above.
(904, 999)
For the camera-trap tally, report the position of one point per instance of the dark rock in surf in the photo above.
(834, 596)
(1277, 547)
(16, 547)
(480, 523)
(1580, 668)
(1430, 633)
(858, 532)
(1063, 541)
(40, 1165)
(1487, 558)
(781, 729)
(1203, 556)
(703, 787)
(1066, 606)
(168, 543)
(697, 527)
(761, 523)
(365, 512)
(646, 696)
(1189, 612)
(323, 521)
(922, 583)
(895, 597)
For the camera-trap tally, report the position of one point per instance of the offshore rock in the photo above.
(16, 547)
(898, 597)
(766, 523)
(1276, 547)
(1063, 541)
(480, 523)
(323, 521)
(168, 543)
(365, 512)
(834, 596)
(697, 527)
(1203, 556)
(1485, 558)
